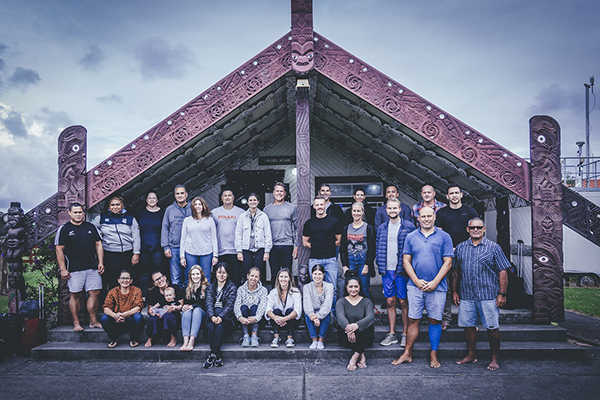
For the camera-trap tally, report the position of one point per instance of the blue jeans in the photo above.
(191, 321)
(134, 324)
(203, 261)
(312, 329)
(176, 268)
(331, 273)
(356, 263)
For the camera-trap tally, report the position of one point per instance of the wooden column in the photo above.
(303, 166)
(546, 220)
(72, 184)
(302, 57)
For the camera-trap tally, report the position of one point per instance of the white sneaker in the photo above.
(320, 346)
(290, 343)
(275, 342)
(313, 345)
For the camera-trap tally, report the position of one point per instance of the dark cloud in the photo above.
(160, 60)
(93, 58)
(3, 47)
(23, 77)
(554, 98)
(113, 98)
(14, 124)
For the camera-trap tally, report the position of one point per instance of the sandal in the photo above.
(133, 343)
(362, 364)
(113, 344)
(351, 367)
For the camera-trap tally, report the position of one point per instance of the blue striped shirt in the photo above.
(479, 267)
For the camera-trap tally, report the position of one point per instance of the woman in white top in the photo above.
(199, 244)
(317, 300)
(284, 307)
(253, 240)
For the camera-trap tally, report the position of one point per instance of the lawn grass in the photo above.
(31, 277)
(583, 300)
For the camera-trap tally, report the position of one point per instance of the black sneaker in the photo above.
(218, 362)
(210, 361)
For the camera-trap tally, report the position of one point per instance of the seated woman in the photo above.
(355, 317)
(194, 307)
(284, 307)
(220, 299)
(162, 324)
(317, 299)
(122, 308)
(250, 306)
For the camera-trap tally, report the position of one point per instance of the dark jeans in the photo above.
(363, 339)
(160, 327)
(235, 268)
(249, 312)
(279, 257)
(134, 325)
(114, 263)
(255, 259)
(291, 325)
(150, 262)
(217, 333)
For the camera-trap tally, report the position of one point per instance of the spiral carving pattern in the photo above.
(547, 220)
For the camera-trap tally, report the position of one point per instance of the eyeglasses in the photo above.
(472, 228)
(159, 279)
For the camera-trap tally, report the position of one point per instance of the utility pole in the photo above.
(587, 126)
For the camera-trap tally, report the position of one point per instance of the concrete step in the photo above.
(448, 351)
(520, 316)
(510, 332)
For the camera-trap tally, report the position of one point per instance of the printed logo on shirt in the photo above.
(227, 217)
(71, 233)
(124, 220)
(355, 237)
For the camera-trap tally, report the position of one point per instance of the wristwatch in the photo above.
(502, 294)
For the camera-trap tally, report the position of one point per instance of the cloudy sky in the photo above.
(119, 67)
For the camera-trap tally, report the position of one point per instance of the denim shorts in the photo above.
(394, 285)
(486, 310)
(433, 302)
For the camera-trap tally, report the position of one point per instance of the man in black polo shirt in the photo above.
(80, 258)
(454, 220)
(322, 235)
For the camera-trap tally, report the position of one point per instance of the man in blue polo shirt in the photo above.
(481, 268)
(427, 259)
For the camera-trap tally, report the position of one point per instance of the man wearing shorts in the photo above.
(481, 268)
(80, 258)
(427, 259)
(389, 244)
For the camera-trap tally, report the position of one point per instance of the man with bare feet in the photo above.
(480, 267)
(79, 255)
(427, 259)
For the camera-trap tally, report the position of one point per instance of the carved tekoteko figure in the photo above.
(14, 246)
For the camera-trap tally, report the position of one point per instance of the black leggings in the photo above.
(291, 325)
(364, 339)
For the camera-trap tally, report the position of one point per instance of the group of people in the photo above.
(413, 250)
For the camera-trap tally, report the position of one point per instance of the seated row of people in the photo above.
(220, 304)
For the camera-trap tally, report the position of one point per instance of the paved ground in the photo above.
(21, 378)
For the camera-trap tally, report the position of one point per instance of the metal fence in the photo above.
(581, 173)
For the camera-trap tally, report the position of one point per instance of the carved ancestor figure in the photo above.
(14, 246)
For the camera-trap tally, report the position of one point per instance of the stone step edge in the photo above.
(99, 351)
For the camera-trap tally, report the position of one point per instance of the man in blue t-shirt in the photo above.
(80, 258)
(427, 259)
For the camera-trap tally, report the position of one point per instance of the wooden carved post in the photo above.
(72, 155)
(547, 220)
(303, 166)
(302, 54)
